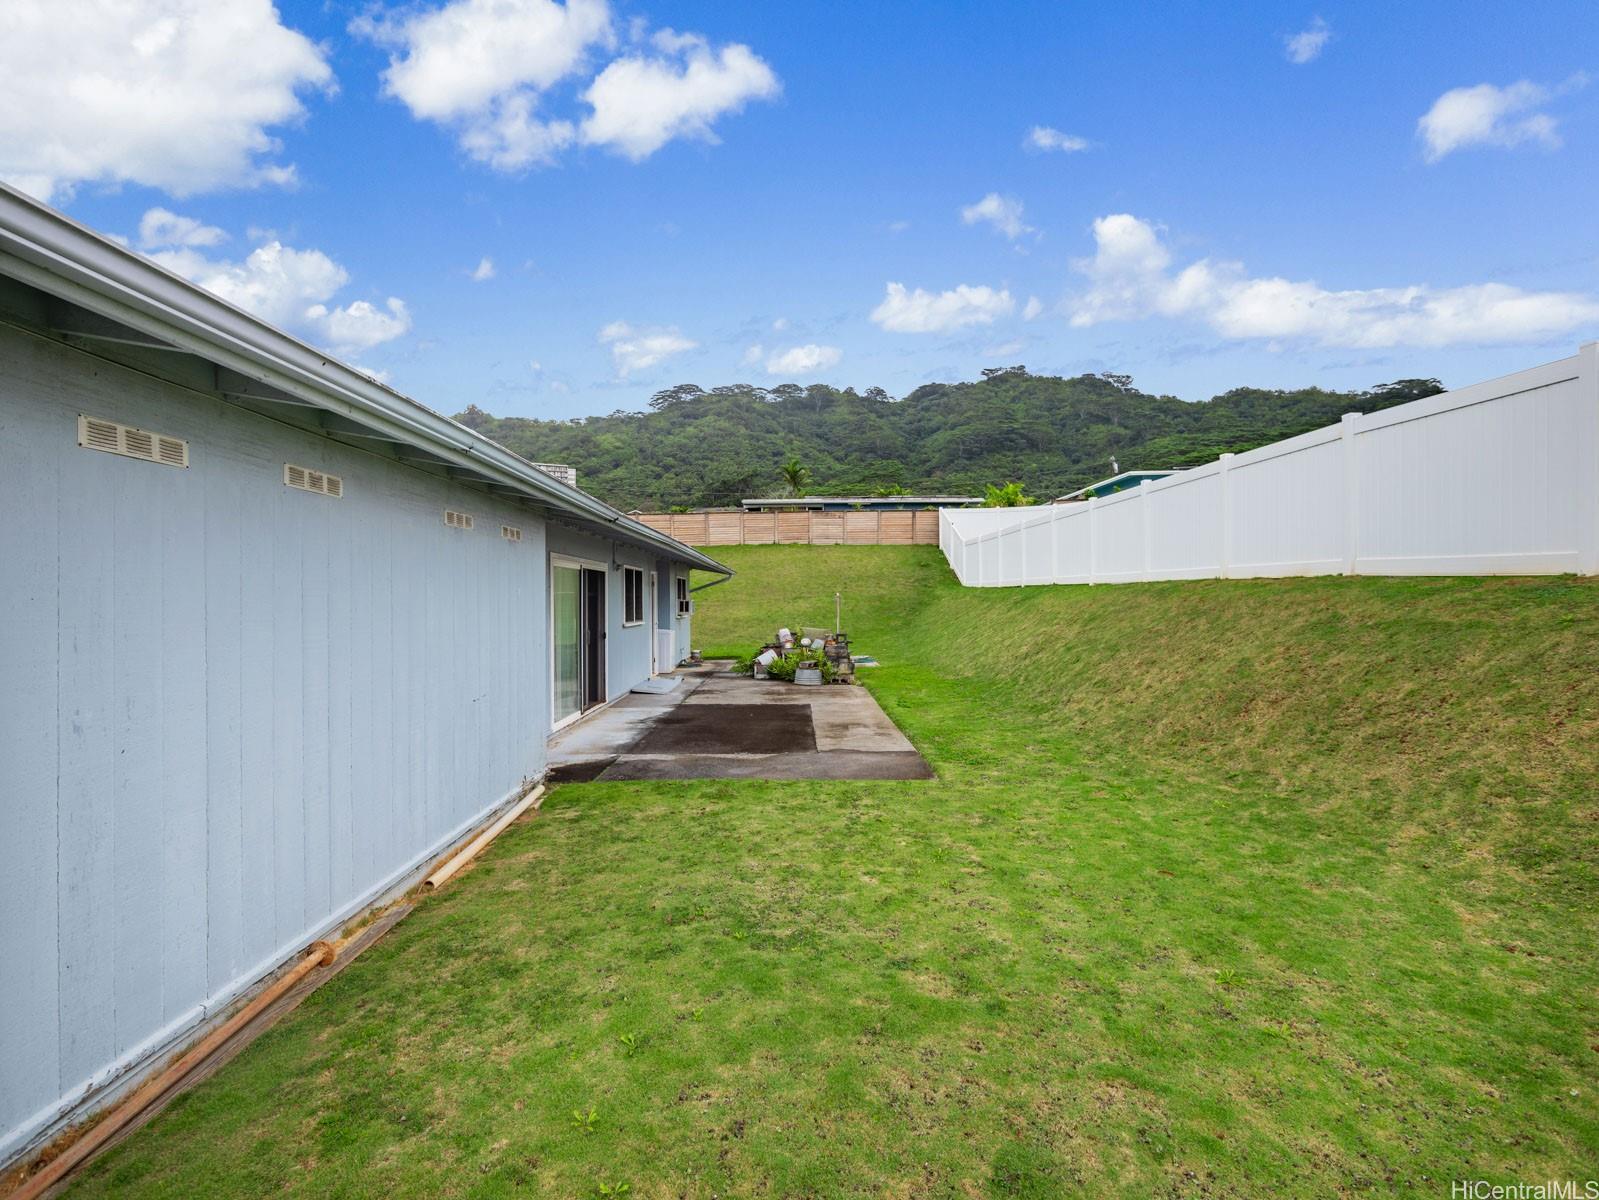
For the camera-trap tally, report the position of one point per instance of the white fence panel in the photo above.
(1038, 549)
(1119, 538)
(1287, 504)
(1481, 488)
(1185, 524)
(1072, 532)
(1010, 555)
(1498, 478)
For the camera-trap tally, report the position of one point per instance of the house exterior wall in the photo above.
(681, 627)
(233, 713)
(627, 648)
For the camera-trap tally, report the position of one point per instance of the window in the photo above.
(684, 604)
(632, 596)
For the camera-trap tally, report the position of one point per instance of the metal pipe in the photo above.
(711, 584)
(470, 850)
(319, 954)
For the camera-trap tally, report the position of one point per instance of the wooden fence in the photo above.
(903, 528)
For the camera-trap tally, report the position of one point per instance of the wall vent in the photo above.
(510, 533)
(97, 434)
(457, 520)
(308, 480)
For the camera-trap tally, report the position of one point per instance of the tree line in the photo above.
(698, 447)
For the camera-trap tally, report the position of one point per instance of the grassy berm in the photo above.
(1277, 888)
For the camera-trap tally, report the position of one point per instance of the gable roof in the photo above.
(119, 296)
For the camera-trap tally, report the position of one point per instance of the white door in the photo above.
(655, 620)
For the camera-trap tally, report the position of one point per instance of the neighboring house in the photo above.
(856, 503)
(1124, 482)
(272, 636)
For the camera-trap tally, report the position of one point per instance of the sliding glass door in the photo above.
(566, 590)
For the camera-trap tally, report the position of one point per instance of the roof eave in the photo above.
(55, 254)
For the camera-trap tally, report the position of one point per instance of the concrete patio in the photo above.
(718, 725)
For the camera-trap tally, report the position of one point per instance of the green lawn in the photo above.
(1266, 888)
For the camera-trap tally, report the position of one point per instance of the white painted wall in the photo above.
(1498, 478)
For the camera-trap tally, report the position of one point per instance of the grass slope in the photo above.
(1281, 888)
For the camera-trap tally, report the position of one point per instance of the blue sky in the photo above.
(1415, 196)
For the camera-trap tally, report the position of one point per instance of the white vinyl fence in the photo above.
(1500, 478)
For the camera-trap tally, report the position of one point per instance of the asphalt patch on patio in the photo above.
(584, 771)
(694, 729)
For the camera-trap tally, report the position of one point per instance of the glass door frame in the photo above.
(572, 562)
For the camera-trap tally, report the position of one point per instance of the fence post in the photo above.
(1588, 468)
(1020, 531)
(1093, 535)
(1351, 495)
(1226, 470)
(1054, 543)
(1143, 523)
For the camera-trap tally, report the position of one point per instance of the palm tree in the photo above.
(796, 476)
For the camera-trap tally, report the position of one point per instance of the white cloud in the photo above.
(1042, 137)
(642, 102)
(1034, 308)
(1307, 45)
(1004, 213)
(484, 270)
(479, 67)
(753, 354)
(361, 325)
(942, 312)
(1131, 276)
(780, 324)
(482, 67)
(801, 359)
(510, 138)
(159, 229)
(1486, 115)
(174, 94)
(636, 350)
(288, 288)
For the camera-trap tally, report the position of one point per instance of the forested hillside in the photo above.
(699, 447)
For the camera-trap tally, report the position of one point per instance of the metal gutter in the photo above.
(49, 251)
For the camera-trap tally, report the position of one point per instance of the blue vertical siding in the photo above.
(233, 712)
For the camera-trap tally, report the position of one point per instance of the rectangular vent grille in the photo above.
(510, 533)
(308, 480)
(457, 520)
(97, 434)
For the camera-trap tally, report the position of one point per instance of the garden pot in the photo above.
(808, 676)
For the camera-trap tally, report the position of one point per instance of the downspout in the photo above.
(711, 584)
